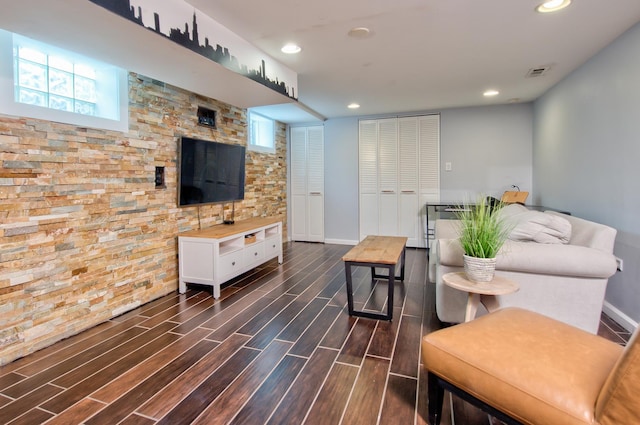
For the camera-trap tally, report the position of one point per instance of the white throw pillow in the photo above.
(511, 210)
(537, 226)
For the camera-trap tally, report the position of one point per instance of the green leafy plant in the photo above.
(482, 230)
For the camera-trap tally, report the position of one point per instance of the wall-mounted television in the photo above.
(209, 172)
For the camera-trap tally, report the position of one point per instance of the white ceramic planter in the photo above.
(479, 269)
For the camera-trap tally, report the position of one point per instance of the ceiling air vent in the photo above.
(537, 72)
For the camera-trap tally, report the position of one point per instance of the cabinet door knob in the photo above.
(274, 245)
(233, 263)
(255, 253)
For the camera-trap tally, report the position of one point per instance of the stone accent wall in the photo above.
(84, 233)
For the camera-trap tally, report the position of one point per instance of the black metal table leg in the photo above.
(392, 281)
(347, 270)
(390, 277)
(402, 258)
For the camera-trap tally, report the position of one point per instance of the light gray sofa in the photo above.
(563, 281)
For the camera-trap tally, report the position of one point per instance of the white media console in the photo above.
(215, 255)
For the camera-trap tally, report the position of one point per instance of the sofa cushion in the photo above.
(546, 259)
(535, 226)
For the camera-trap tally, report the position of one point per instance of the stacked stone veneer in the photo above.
(84, 233)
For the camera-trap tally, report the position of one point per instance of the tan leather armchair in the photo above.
(526, 368)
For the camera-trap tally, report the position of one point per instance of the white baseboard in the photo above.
(341, 241)
(619, 317)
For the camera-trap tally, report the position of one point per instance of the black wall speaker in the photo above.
(206, 117)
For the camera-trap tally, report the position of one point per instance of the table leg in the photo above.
(347, 271)
(490, 302)
(473, 300)
(392, 274)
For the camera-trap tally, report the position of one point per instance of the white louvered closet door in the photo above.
(368, 177)
(408, 201)
(399, 171)
(298, 174)
(388, 176)
(307, 184)
(429, 158)
(315, 184)
(429, 166)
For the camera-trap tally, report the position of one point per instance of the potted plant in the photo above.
(482, 234)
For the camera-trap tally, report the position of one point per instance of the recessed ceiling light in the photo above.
(552, 6)
(353, 106)
(359, 32)
(491, 93)
(291, 48)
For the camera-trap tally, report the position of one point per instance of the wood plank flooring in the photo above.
(278, 347)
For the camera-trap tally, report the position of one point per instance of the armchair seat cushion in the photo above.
(524, 364)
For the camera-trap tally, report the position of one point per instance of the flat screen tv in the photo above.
(209, 172)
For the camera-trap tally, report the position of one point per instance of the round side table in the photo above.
(480, 292)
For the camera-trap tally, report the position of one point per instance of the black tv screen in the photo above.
(209, 172)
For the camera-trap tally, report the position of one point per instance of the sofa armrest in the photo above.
(589, 233)
(546, 259)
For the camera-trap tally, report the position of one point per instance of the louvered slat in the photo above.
(315, 168)
(408, 151)
(388, 156)
(429, 153)
(298, 161)
(368, 157)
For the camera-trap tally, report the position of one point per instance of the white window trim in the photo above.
(9, 106)
(258, 148)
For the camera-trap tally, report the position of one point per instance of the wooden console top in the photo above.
(223, 230)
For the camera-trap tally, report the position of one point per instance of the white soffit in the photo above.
(84, 27)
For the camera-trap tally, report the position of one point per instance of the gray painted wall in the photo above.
(341, 180)
(586, 156)
(489, 149)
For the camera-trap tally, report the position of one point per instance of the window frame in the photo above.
(255, 147)
(117, 80)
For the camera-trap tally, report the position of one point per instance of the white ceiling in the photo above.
(422, 55)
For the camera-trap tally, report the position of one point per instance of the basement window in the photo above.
(262, 133)
(53, 84)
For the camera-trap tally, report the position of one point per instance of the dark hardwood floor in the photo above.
(277, 348)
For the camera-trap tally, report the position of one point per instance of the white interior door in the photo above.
(388, 176)
(408, 207)
(315, 184)
(368, 177)
(298, 174)
(429, 167)
(399, 170)
(307, 183)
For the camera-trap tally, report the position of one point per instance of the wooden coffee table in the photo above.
(480, 292)
(376, 251)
